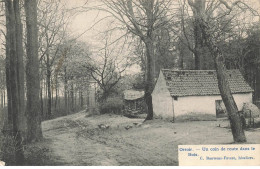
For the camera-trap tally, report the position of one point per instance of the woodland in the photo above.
(47, 71)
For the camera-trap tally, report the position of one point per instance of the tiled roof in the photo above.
(202, 82)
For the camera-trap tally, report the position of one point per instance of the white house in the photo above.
(180, 92)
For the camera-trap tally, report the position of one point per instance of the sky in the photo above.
(85, 20)
(84, 23)
(88, 23)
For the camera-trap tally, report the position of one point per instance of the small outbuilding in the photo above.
(183, 92)
(134, 101)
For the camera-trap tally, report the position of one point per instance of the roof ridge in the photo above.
(202, 82)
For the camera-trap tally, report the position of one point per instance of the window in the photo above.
(175, 97)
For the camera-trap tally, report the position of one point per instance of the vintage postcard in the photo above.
(130, 83)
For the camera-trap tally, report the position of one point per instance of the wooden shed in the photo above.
(134, 102)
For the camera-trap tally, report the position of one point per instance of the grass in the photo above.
(35, 153)
(75, 140)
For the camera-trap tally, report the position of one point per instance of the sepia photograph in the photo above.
(129, 82)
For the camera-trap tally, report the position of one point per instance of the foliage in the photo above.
(112, 105)
(37, 155)
(130, 81)
(34, 155)
(7, 152)
(242, 52)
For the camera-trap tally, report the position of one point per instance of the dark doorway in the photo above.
(220, 109)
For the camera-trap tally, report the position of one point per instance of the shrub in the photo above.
(37, 155)
(250, 109)
(7, 152)
(112, 105)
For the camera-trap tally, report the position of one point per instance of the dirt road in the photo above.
(77, 139)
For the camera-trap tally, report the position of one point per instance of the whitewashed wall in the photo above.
(205, 104)
(162, 100)
(165, 106)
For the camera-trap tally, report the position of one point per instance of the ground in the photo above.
(77, 140)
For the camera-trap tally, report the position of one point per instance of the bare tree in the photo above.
(208, 36)
(191, 34)
(52, 23)
(142, 18)
(108, 70)
(70, 69)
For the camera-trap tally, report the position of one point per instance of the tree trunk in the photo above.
(181, 60)
(4, 99)
(198, 8)
(1, 89)
(69, 102)
(48, 80)
(20, 69)
(198, 44)
(149, 78)
(52, 94)
(42, 113)
(257, 81)
(72, 98)
(235, 122)
(232, 110)
(46, 100)
(56, 92)
(8, 128)
(65, 90)
(81, 99)
(2, 104)
(58, 99)
(41, 92)
(32, 73)
(12, 81)
(197, 59)
(148, 41)
(75, 102)
(87, 99)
